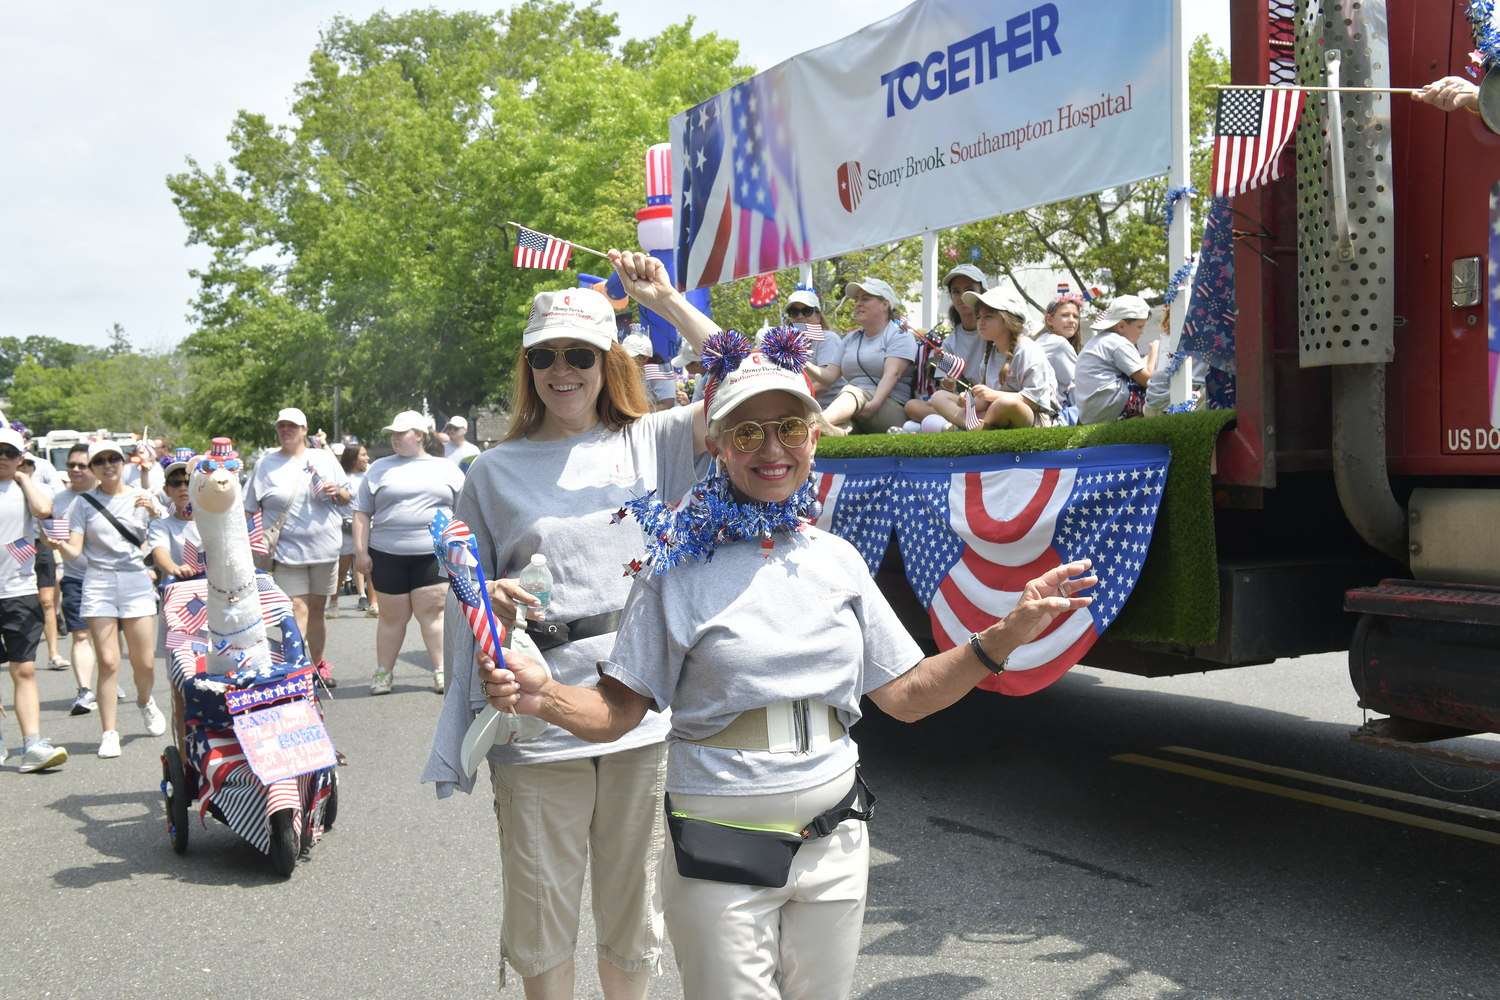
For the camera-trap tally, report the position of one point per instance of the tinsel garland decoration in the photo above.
(1179, 278)
(1481, 16)
(1173, 194)
(713, 518)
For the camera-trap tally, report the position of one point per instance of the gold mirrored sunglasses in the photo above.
(750, 435)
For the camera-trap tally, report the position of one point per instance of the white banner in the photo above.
(946, 113)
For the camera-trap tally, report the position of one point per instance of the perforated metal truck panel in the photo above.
(1346, 308)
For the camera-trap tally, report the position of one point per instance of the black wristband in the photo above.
(984, 657)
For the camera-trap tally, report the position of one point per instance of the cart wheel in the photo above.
(285, 843)
(331, 807)
(174, 785)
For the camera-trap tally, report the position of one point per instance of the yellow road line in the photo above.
(1352, 786)
(1379, 812)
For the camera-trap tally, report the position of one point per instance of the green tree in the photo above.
(1114, 239)
(366, 246)
(124, 391)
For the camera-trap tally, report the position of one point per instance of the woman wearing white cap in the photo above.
(1027, 396)
(1110, 380)
(583, 443)
(298, 491)
(762, 655)
(876, 361)
(805, 309)
(981, 365)
(393, 548)
(109, 525)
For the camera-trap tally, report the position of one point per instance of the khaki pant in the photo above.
(890, 414)
(798, 942)
(553, 819)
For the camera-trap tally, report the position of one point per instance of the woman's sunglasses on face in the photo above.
(581, 358)
(107, 460)
(750, 435)
(9, 454)
(799, 312)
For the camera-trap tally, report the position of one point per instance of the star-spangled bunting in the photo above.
(973, 531)
(21, 550)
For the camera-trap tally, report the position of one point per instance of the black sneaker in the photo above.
(363, 604)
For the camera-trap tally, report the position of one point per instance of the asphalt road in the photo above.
(1062, 845)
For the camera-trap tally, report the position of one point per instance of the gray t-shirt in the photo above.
(1030, 374)
(829, 351)
(969, 345)
(559, 498)
(103, 545)
(863, 361)
(401, 495)
(170, 533)
(457, 454)
(1064, 360)
(713, 639)
(17, 579)
(659, 390)
(312, 533)
(1101, 382)
(61, 502)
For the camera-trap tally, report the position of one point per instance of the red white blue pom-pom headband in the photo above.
(784, 346)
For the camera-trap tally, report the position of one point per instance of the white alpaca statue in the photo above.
(237, 634)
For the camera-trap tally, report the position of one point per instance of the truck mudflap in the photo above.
(1429, 652)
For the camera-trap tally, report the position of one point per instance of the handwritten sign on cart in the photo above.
(285, 740)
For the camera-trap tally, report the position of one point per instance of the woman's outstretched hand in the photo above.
(1046, 597)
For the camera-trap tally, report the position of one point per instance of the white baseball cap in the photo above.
(457, 421)
(968, 271)
(1123, 307)
(1005, 299)
(408, 420)
(755, 375)
(806, 297)
(685, 356)
(638, 345)
(12, 438)
(292, 414)
(577, 313)
(101, 447)
(875, 287)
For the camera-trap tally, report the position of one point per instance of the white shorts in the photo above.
(300, 581)
(118, 593)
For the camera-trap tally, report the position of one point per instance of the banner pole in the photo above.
(1316, 90)
(929, 279)
(1179, 238)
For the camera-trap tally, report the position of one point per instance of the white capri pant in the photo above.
(111, 593)
(799, 942)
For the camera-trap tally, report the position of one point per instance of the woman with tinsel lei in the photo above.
(761, 632)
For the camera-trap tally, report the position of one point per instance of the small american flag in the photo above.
(951, 366)
(191, 560)
(55, 528)
(257, 529)
(459, 557)
(659, 373)
(182, 640)
(813, 332)
(1252, 128)
(21, 549)
(972, 420)
(194, 615)
(535, 249)
(314, 482)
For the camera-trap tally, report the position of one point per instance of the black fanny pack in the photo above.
(721, 853)
(550, 635)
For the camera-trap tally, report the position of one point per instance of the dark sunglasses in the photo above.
(9, 454)
(81, 466)
(107, 460)
(794, 312)
(581, 358)
(750, 435)
(177, 481)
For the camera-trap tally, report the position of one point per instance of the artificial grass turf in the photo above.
(1176, 598)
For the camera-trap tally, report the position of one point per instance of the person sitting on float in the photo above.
(803, 308)
(963, 341)
(1110, 380)
(1027, 396)
(876, 361)
(761, 633)
(1061, 338)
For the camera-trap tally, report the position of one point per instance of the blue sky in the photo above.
(105, 99)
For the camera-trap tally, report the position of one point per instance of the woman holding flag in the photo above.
(583, 443)
(761, 633)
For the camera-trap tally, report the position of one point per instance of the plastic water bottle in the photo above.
(536, 580)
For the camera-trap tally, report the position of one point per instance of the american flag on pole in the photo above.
(1253, 127)
(535, 249)
(659, 373)
(813, 332)
(21, 550)
(55, 528)
(459, 557)
(256, 527)
(973, 531)
(950, 366)
(739, 211)
(972, 420)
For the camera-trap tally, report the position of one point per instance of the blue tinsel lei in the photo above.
(1486, 36)
(713, 519)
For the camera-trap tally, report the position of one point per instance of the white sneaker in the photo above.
(437, 681)
(120, 694)
(156, 723)
(109, 743)
(42, 755)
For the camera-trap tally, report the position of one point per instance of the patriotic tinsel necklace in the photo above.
(712, 518)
